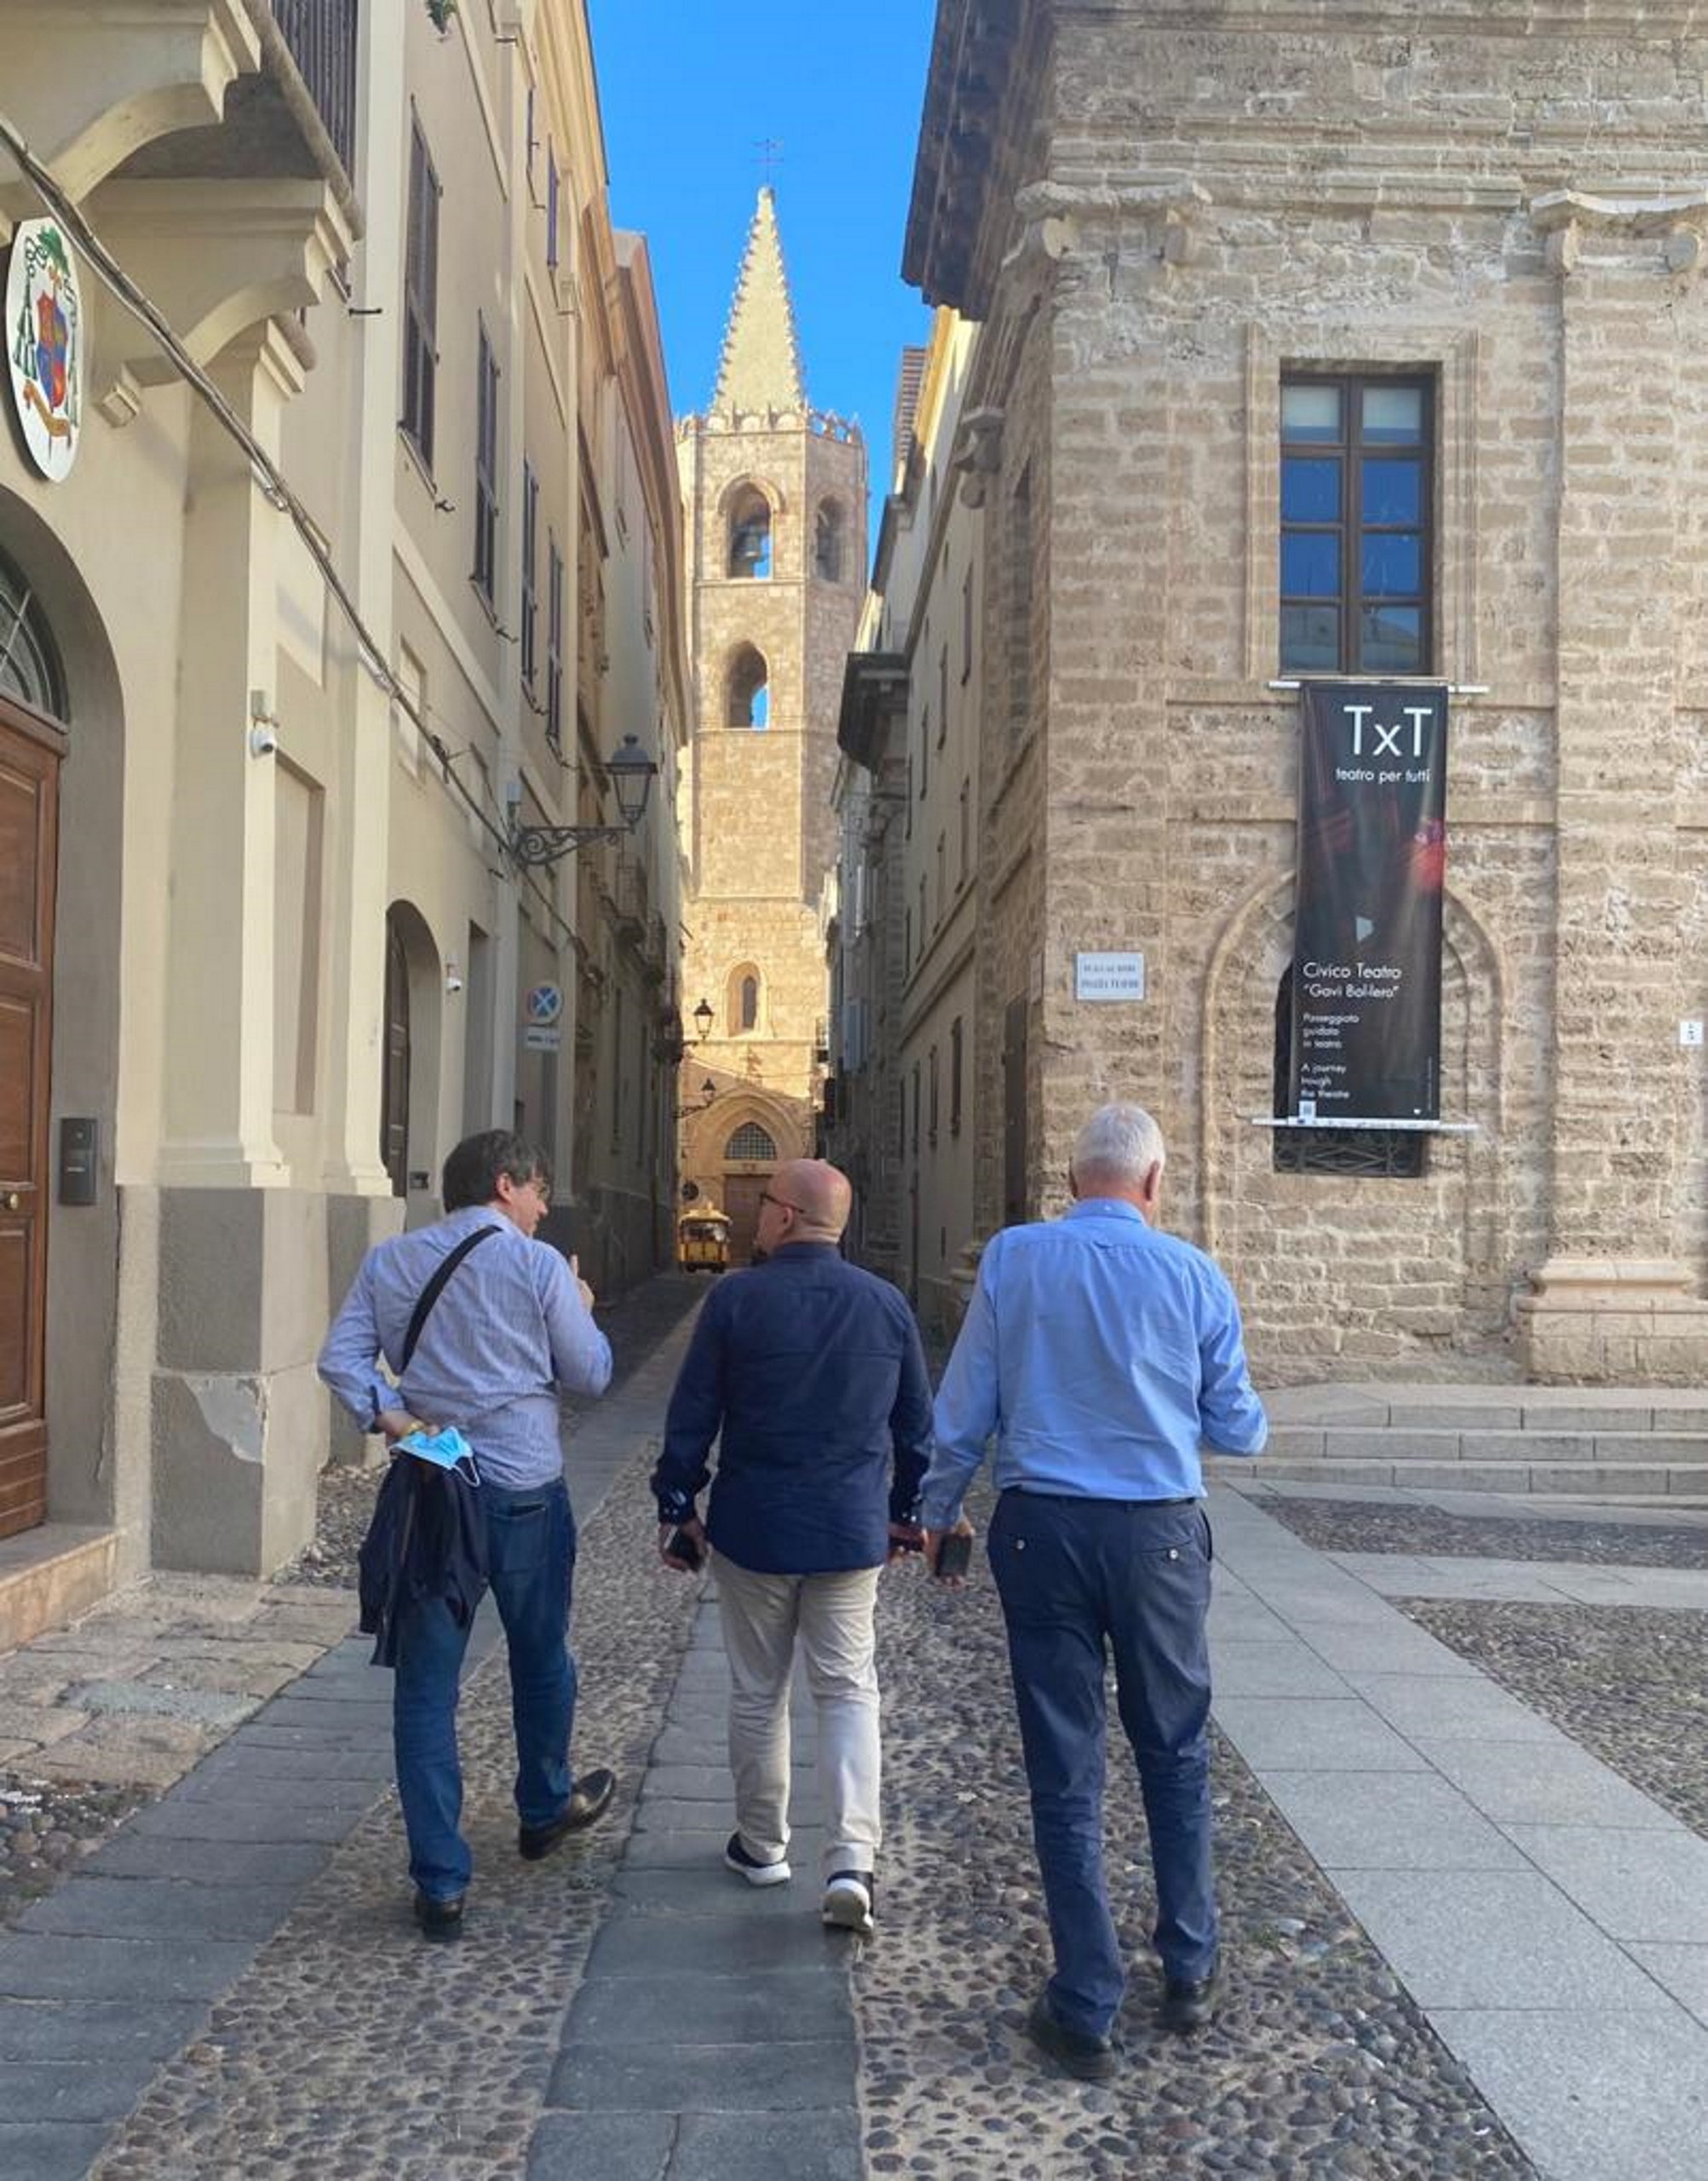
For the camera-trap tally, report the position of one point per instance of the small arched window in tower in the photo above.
(750, 533)
(750, 1140)
(828, 545)
(750, 690)
(744, 1000)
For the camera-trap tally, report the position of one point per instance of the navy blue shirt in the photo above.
(812, 1370)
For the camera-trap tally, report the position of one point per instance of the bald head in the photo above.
(821, 1193)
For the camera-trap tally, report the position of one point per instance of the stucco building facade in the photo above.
(1207, 249)
(773, 497)
(270, 939)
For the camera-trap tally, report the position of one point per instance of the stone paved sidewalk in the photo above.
(1456, 1945)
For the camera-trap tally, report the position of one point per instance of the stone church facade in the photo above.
(773, 495)
(1206, 247)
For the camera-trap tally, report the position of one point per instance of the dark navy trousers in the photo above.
(1082, 1580)
(530, 1565)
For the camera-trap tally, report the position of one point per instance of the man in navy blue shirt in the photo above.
(813, 1372)
(1100, 1354)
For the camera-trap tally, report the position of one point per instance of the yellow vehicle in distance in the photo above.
(703, 1240)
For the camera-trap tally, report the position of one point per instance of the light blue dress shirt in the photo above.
(508, 1329)
(1101, 1354)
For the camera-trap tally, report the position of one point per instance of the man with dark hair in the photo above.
(481, 1327)
(810, 1374)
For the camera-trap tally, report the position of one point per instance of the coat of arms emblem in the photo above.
(45, 344)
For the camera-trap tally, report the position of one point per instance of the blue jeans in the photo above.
(1076, 1577)
(530, 1564)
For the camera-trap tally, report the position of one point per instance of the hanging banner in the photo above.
(1372, 852)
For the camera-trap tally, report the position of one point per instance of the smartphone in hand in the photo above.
(954, 1556)
(679, 1545)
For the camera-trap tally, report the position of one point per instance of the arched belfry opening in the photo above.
(749, 534)
(748, 689)
(830, 541)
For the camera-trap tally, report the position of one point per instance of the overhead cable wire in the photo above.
(273, 483)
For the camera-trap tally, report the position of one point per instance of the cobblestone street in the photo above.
(1463, 1880)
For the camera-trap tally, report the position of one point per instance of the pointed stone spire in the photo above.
(760, 365)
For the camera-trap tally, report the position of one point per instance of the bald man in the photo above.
(813, 1372)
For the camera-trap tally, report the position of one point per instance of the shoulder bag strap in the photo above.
(435, 1287)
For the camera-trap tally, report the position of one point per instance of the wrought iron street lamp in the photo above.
(707, 1091)
(631, 772)
(703, 1022)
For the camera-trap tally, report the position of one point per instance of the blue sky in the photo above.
(688, 89)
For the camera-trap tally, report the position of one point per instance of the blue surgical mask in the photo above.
(445, 1449)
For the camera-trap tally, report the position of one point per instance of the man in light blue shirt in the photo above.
(1100, 1354)
(511, 1326)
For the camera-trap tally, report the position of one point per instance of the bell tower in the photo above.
(773, 495)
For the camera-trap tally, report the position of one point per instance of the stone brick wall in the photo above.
(763, 833)
(1215, 197)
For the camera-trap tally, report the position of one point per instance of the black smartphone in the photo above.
(681, 1546)
(954, 1555)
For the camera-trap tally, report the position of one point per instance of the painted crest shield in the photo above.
(45, 345)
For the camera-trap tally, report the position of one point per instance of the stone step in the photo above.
(1621, 1481)
(50, 1575)
(1551, 1409)
(1447, 1441)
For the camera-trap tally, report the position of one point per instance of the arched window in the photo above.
(29, 663)
(750, 533)
(742, 1005)
(827, 544)
(749, 693)
(1398, 1154)
(750, 1140)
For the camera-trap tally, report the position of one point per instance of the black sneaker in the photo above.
(438, 1919)
(1090, 2059)
(756, 1873)
(849, 1902)
(585, 1807)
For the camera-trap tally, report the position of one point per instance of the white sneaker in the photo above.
(849, 1901)
(756, 1873)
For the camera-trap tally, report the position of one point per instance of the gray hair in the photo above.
(1118, 1144)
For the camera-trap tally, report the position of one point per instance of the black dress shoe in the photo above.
(585, 1807)
(1092, 2059)
(438, 1919)
(1189, 2002)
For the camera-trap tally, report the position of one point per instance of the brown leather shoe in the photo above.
(585, 1807)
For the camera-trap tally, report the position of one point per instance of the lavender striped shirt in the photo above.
(508, 1329)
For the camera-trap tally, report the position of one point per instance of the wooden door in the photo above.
(29, 752)
(741, 1202)
(395, 1090)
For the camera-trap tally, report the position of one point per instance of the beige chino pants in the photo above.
(762, 1615)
